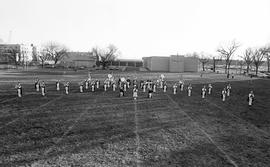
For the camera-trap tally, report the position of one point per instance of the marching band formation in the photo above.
(123, 84)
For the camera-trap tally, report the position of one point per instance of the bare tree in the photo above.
(266, 53)
(43, 56)
(105, 55)
(257, 57)
(56, 51)
(227, 54)
(241, 63)
(215, 61)
(204, 60)
(248, 58)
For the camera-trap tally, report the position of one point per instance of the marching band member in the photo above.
(125, 87)
(228, 89)
(97, 84)
(86, 84)
(189, 89)
(174, 89)
(43, 86)
(37, 84)
(66, 88)
(121, 92)
(81, 87)
(18, 86)
(165, 88)
(57, 85)
(114, 86)
(93, 87)
(223, 94)
(210, 89)
(150, 92)
(154, 87)
(250, 98)
(144, 87)
(203, 91)
(135, 93)
(181, 83)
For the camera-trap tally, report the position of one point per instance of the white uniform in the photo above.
(37, 86)
(86, 84)
(114, 86)
(174, 89)
(189, 90)
(181, 85)
(81, 87)
(210, 89)
(144, 87)
(229, 90)
(42, 85)
(135, 93)
(125, 87)
(97, 84)
(19, 89)
(154, 88)
(67, 88)
(203, 92)
(250, 98)
(223, 93)
(165, 88)
(57, 86)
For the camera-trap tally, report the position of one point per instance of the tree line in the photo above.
(251, 56)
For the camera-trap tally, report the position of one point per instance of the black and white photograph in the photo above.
(134, 83)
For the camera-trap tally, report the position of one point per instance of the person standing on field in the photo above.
(18, 86)
(189, 88)
(250, 98)
(58, 85)
(66, 88)
(42, 85)
(37, 85)
(223, 94)
(174, 89)
(228, 89)
(210, 89)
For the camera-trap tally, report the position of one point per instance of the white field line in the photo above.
(206, 134)
(43, 105)
(7, 100)
(137, 135)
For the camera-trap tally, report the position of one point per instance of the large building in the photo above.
(174, 63)
(79, 59)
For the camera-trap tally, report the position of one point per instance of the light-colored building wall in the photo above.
(177, 63)
(174, 63)
(191, 64)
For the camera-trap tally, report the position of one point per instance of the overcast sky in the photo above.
(138, 27)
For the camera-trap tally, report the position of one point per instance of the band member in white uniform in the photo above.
(150, 92)
(57, 85)
(37, 85)
(66, 88)
(210, 89)
(250, 98)
(223, 94)
(125, 87)
(114, 86)
(18, 86)
(121, 92)
(93, 87)
(144, 87)
(174, 89)
(97, 84)
(165, 88)
(105, 87)
(135, 93)
(154, 87)
(228, 89)
(43, 86)
(181, 83)
(86, 84)
(81, 87)
(203, 91)
(189, 89)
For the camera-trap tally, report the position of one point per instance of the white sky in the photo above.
(138, 27)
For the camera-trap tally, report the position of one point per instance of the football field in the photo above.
(102, 129)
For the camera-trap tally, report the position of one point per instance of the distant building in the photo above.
(174, 63)
(79, 59)
(127, 62)
(5, 53)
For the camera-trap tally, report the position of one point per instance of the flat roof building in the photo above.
(174, 63)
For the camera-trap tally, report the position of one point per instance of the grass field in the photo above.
(101, 129)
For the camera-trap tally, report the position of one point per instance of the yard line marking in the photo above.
(137, 135)
(7, 100)
(67, 131)
(16, 119)
(206, 134)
